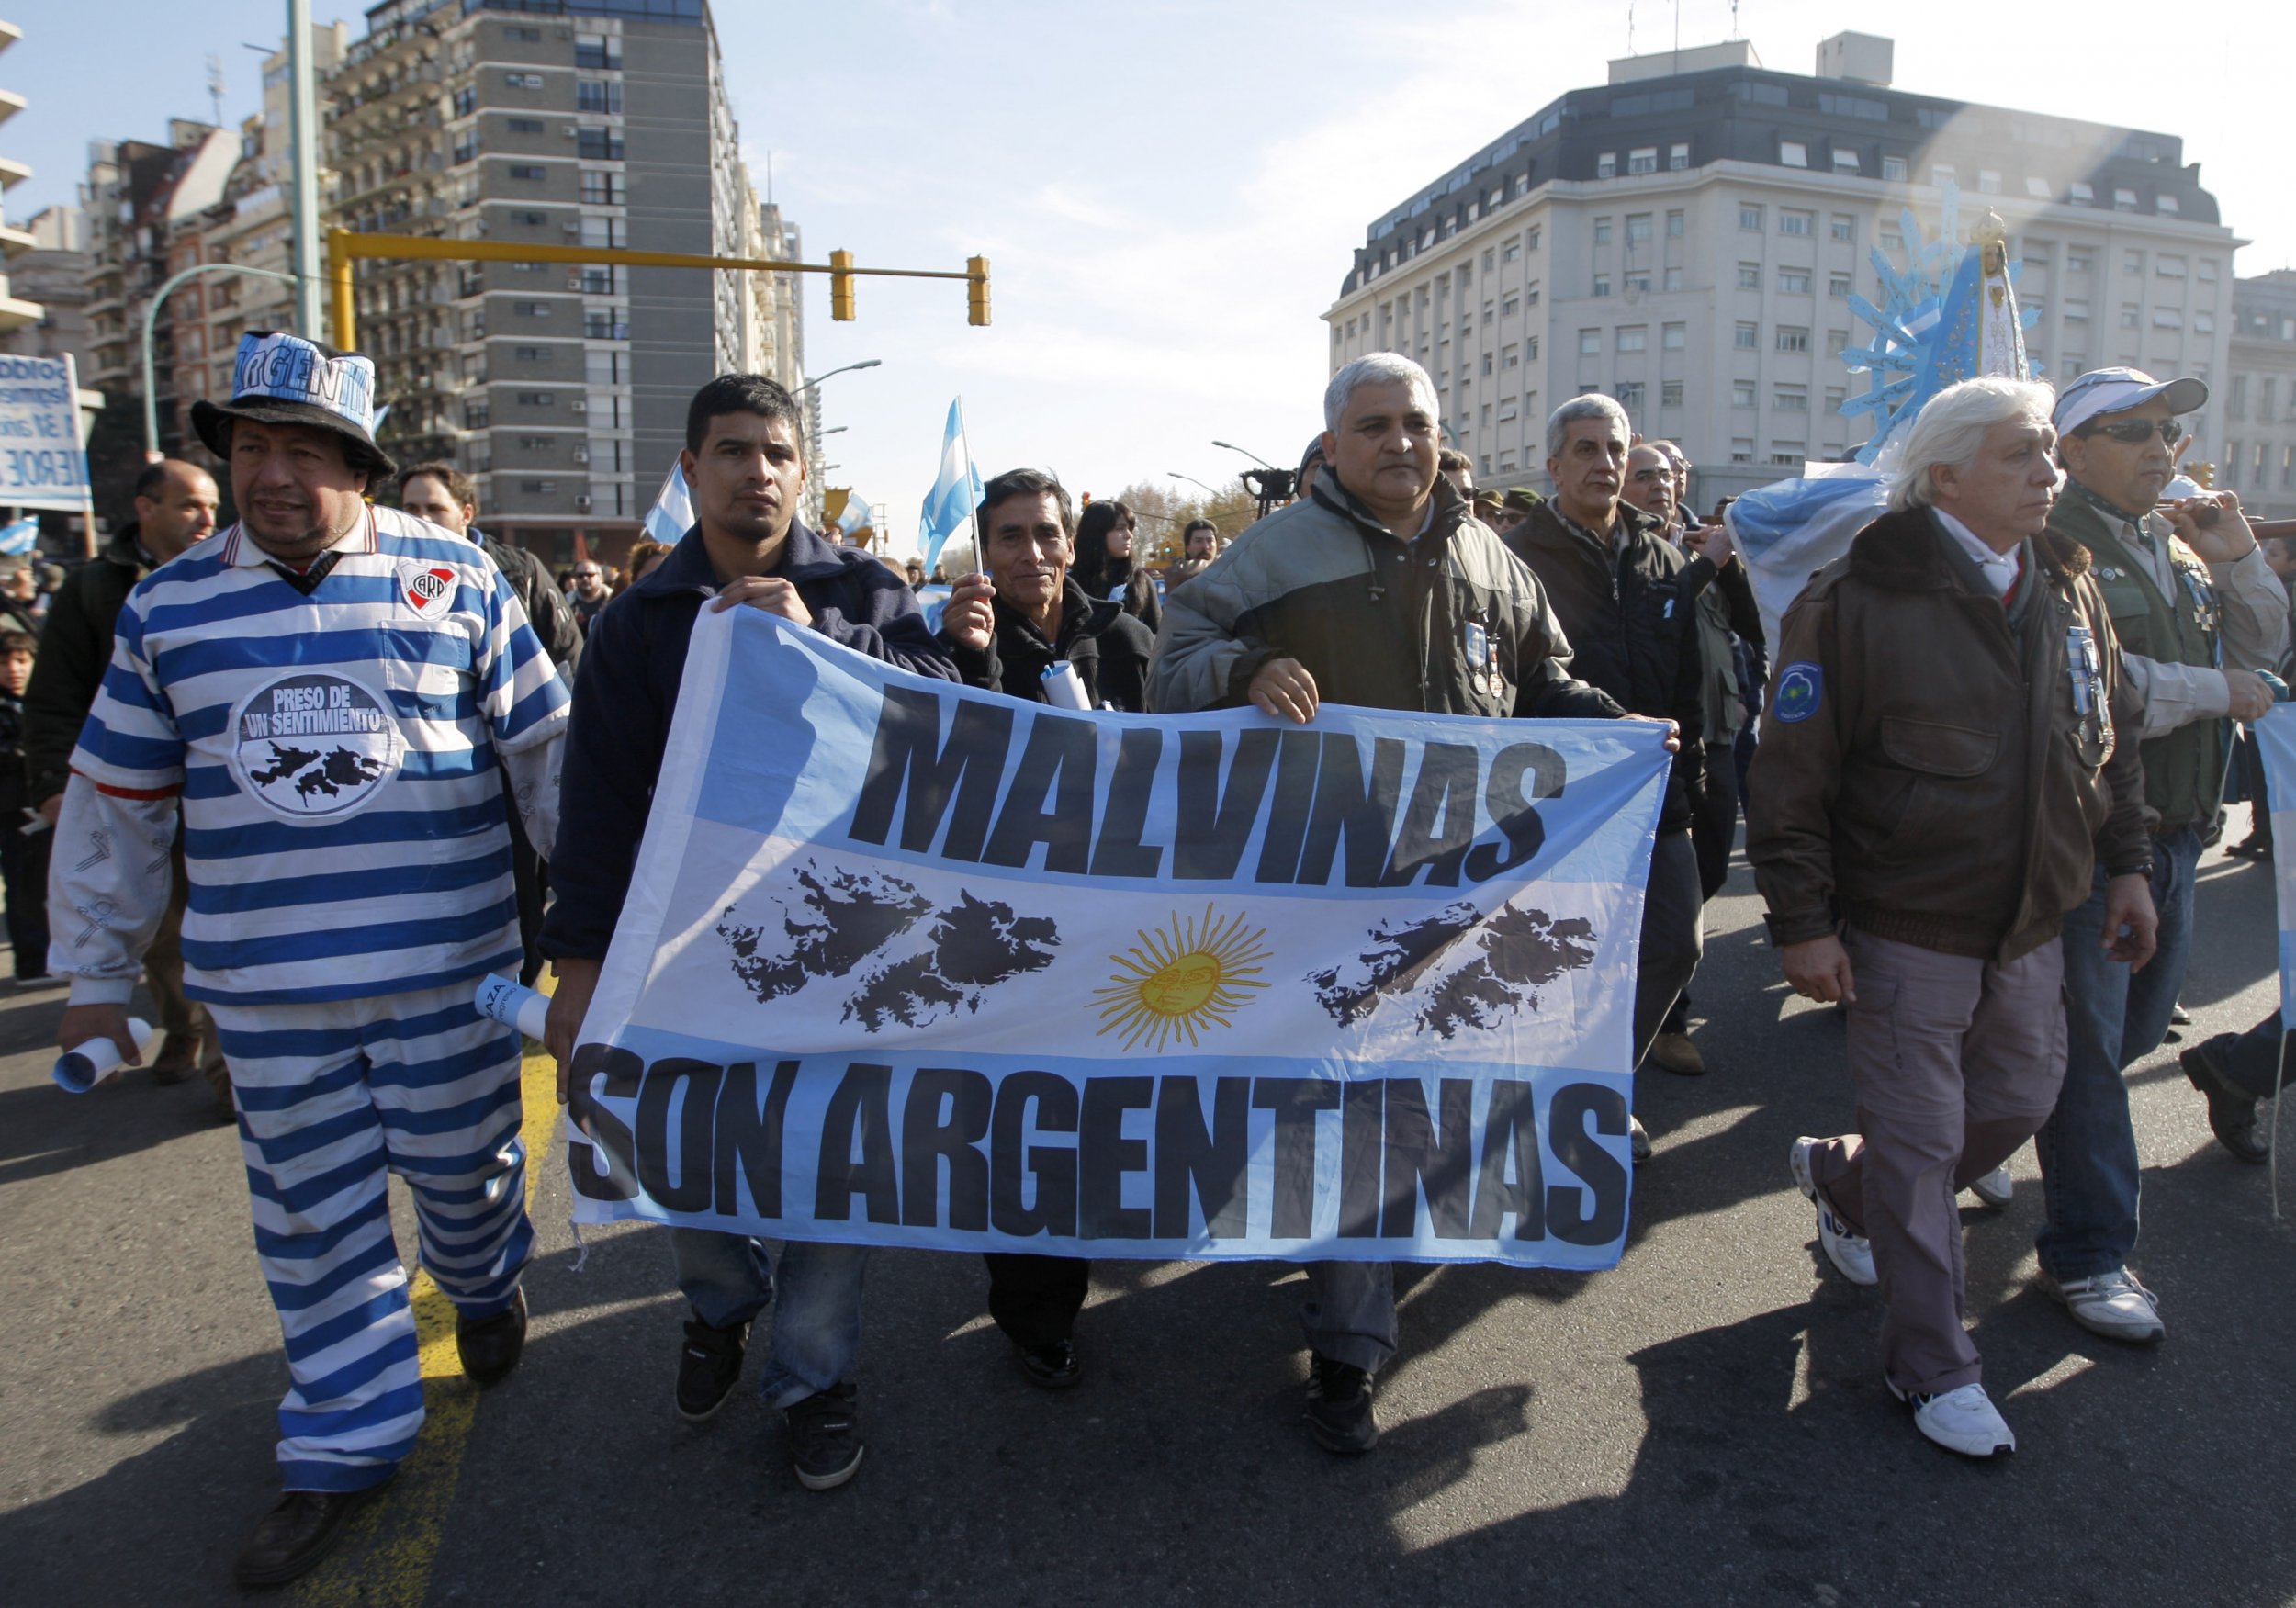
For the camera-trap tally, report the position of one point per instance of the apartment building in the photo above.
(2259, 455)
(1687, 239)
(593, 122)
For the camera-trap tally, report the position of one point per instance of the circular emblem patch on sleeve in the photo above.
(1801, 687)
(313, 745)
(427, 588)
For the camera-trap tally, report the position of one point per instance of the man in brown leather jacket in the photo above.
(1946, 758)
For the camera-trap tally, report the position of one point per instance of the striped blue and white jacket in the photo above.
(333, 757)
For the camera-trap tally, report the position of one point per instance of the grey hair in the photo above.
(1377, 368)
(1594, 405)
(1951, 428)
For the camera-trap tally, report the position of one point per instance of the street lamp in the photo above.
(151, 313)
(1174, 474)
(1256, 457)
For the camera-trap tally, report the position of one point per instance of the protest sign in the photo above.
(42, 463)
(904, 964)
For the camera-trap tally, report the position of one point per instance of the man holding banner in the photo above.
(2198, 612)
(1377, 589)
(744, 465)
(1944, 763)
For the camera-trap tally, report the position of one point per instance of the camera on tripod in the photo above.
(1269, 485)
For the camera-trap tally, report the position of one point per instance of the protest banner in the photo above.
(41, 463)
(904, 964)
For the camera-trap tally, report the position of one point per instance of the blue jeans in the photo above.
(2088, 1148)
(728, 1281)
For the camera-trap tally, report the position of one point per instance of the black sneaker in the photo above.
(290, 1540)
(709, 1367)
(1339, 1407)
(1054, 1367)
(2232, 1110)
(824, 1437)
(491, 1347)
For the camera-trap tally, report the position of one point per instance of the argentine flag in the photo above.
(956, 491)
(18, 539)
(855, 518)
(672, 513)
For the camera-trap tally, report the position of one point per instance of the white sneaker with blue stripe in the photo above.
(1963, 1420)
(1852, 1254)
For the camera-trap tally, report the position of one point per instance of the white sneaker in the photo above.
(1997, 1188)
(1852, 1254)
(2112, 1304)
(1963, 1420)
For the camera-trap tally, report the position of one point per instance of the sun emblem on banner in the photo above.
(1183, 980)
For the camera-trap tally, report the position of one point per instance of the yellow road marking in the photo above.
(387, 1556)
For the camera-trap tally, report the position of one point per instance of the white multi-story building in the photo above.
(2259, 412)
(1688, 239)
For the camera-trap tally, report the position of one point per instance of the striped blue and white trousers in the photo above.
(332, 1098)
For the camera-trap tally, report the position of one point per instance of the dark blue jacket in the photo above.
(627, 689)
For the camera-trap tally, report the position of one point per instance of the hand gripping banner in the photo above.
(907, 964)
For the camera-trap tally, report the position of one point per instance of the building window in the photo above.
(1792, 338)
(1750, 217)
(1792, 153)
(1746, 338)
(1742, 450)
(1507, 307)
(2078, 260)
(530, 172)
(1845, 228)
(602, 188)
(1645, 160)
(1893, 169)
(1601, 284)
(531, 310)
(521, 125)
(1638, 229)
(525, 36)
(608, 232)
(1791, 222)
(1786, 453)
(536, 399)
(521, 81)
(1678, 156)
(2124, 200)
(2167, 317)
(528, 353)
(1673, 226)
(1835, 341)
(1606, 165)
(1530, 348)
(1630, 394)
(1838, 284)
(1940, 173)
(2131, 315)
(1509, 356)
(598, 95)
(1506, 412)
(2076, 312)
(2204, 321)
(1634, 338)
(1530, 237)
(1670, 393)
(1602, 232)
(1794, 281)
(1741, 393)
(1590, 343)
(604, 325)
(1673, 280)
(1988, 181)
(1530, 294)
(1749, 275)
(1790, 399)
(1671, 337)
(1513, 252)
(1845, 161)
(596, 51)
(599, 145)
(1636, 281)
(474, 416)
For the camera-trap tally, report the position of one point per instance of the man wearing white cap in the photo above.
(2198, 612)
(323, 691)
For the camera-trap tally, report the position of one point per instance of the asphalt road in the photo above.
(1706, 1423)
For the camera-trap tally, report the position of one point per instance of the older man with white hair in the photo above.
(1949, 752)
(1377, 587)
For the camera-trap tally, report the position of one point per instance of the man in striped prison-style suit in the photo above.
(323, 690)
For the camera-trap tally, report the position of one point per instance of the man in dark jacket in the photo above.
(746, 466)
(1004, 631)
(1378, 588)
(1946, 758)
(449, 498)
(176, 505)
(1629, 601)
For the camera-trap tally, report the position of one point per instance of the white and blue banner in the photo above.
(907, 964)
(41, 462)
(2276, 739)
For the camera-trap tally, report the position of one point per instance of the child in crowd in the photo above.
(23, 852)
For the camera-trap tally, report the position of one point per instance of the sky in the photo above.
(1169, 192)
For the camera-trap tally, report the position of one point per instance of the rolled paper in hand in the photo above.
(81, 1069)
(1063, 687)
(514, 1005)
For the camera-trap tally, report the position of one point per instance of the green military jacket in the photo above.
(2184, 770)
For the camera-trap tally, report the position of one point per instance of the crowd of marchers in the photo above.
(1977, 767)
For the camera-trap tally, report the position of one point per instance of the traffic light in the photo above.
(840, 286)
(977, 290)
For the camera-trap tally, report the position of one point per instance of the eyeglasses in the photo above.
(2137, 432)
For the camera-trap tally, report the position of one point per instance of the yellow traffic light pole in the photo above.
(346, 246)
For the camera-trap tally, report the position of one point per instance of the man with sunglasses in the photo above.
(2198, 613)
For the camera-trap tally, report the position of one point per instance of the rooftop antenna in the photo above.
(1734, 18)
(215, 86)
(1630, 27)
